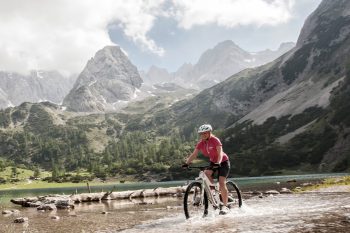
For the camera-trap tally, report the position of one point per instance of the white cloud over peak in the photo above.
(232, 13)
(64, 34)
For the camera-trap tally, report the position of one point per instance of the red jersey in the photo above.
(208, 149)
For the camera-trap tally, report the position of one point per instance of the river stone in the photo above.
(6, 212)
(47, 207)
(31, 199)
(64, 204)
(272, 192)
(55, 217)
(34, 204)
(21, 220)
(285, 191)
(339, 180)
(306, 184)
(256, 192)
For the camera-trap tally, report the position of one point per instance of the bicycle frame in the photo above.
(206, 186)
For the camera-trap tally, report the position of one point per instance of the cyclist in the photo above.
(211, 147)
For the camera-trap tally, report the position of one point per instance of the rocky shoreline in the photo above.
(53, 203)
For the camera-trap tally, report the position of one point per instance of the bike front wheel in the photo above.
(194, 202)
(234, 195)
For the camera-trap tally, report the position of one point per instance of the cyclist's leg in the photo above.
(223, 189)
(209, 174)
(224, 170)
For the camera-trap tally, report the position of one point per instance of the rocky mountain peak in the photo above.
(156, 75)
(222, 51)
(108, 78)
(326, 12)
(228, 44)
(109, 63)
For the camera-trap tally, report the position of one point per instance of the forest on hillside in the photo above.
(159, 152)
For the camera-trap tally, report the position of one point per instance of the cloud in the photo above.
(232, 13)
(64, 34)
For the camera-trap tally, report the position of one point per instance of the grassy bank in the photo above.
(20, 173)
(327, 183)
(22, 180)
(44, 184)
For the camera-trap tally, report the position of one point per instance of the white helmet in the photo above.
(205, 128)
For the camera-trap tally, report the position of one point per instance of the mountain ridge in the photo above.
(36, 87)
(215, 65)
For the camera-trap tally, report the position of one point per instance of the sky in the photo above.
(63, 34)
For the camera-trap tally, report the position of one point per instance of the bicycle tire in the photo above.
(234, 194)
(193, 205)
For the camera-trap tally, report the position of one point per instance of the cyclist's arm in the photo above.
(192, 156)
(219, 150)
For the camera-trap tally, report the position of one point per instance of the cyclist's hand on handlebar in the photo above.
(184, 166)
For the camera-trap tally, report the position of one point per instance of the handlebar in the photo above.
(202, 168)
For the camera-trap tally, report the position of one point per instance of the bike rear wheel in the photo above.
(234, 195)
(194, 203)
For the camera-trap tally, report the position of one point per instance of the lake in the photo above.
(244, 183)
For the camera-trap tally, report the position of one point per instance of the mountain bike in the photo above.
(202, 191)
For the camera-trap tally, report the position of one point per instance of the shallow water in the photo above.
(88, 217)
(317, 212)
(309, 212)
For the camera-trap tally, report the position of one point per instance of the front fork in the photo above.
(214, 197)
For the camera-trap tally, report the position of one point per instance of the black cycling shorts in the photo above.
(224, 168)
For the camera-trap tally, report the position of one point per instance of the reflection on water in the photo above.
(312, 212)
